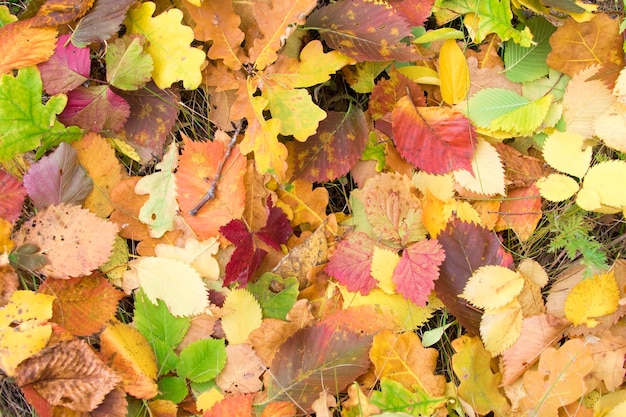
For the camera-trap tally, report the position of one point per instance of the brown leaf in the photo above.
(608, 354)
(68, 374)
(8, 283)
(82, 305)
(521, 170)
(242, 371)
(75, 241)
(61, 12)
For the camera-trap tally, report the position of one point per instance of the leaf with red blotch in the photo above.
(277, 229)
(436, 140)
(67, 68)
(363, 30)
(387, 92)
(82, 305)
(351, 263)
(153, 113)
(313, 356)
(232, 406)
(415, 12)
(245, 259)
(12, 195)
(417, 270)
(57, 178)
(467, 247)
(101, 22)
(197, 168)
(95, 108)
(338, 144)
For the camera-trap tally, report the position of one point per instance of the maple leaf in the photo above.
(168, 44)
(417, 270)
(363, 30)
(95, 108)
(23, 44)
(82, 305)
(69, 374)
(37, 123)
(73, 239)
(242, 371)
(101, 22)
(67, 68)
(57, 178)
(446, 137)
(313, 356)
(12, 195)
(350, 263)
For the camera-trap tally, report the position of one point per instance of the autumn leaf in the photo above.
(128, 68)
(24, 44)
(242, 371)
(95, 108)
(501, 327)
(298, 115)
(304, 204)
(557, 187)
(592, 297)
(395, 396)
(232, 405)
(417, 270)
(68, 374)
(453, 73)
(350, 263)
(275, 294)
(601, 190)
(101, 22)
(73, 239)
(487, 173)
(521, 211)
(12, 194)
(200, 255)
(492, 286)
(436, 140)
(168, 44)
(66, 69)
(242, 315)
(384, 262)
(202, 360)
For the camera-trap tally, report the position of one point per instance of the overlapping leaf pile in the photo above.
(125, 294)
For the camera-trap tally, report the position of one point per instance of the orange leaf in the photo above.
(521, 211)
(279, 409)
(75, 241)
(68, 374)
(197, 168)
(82, 305)
(22, 45)
(232, 406)
(304, 205)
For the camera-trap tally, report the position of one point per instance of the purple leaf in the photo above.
(68, 68)
(95, 109)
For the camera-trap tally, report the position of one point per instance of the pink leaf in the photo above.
(415, 12)
(12, 194)
(68, 68)
(95, 109)
(57, 178)
(417, 270)
(351, 262)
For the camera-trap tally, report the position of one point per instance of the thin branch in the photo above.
(210, 195)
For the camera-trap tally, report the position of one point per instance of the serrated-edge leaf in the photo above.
(557, 187)
(202, 360)
(524, 64)
(493, 286)
(491, 103)
(525, 119)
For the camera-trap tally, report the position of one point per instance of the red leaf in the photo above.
(277, 229)
(387, 92)
(12, 194)
(351, 262)
(467, 247)
(245, 259)
(316, 359)
(338, 144)
(95, 108)
(57, 178)
(434, 139)
(415, 12)
(232, 406)
(417, 270)
(363, 30)
(68, 68)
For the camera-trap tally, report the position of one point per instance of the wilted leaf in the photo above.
(68, 68)
(82, 305)
(57, 178)
(74, 240)
(23, 44)
(95, 108)
(591, 298)
(242, 371)
(68, 374)
(12, 194)
(61, 12)
(102, 21)
(434, 139)
(202, 360)
(168, 44)
(310, 358)
(350, 263)
(417, 270)
(242, 315)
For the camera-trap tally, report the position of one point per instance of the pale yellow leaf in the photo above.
(501, 327)
(606, 179)
(453, 73)
(440, 186)
(242, 315)
(557, 187)
(200, 255)
(383, 263)
(492, 286)
(420, 74)
(463, 210)
(488, 172)
(533, 271)
(592, 297)
(611, 127)
(568, 153)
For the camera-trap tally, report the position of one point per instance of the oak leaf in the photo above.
(295, 109)
(305, 205)
(591, 298)
(242, 371)
(12, 195)
(75, 241)
(68, 374)
(66, 69)
(24, 44)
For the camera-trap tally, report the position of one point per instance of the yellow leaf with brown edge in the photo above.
(592, 297)
(453, 73)
(402, 358)
(23, 45)
(128, 353)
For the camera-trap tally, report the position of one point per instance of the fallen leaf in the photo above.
(95, 109)
(305, 205)
(492, 286)
(591, 298)
(417, 270)
(202, 360)
(350, 263)
(242, 315)
(12, 195)
(100, 22)
(233, 406)
(24, 44)
(501, 327)
(66, 69)
(242, 371)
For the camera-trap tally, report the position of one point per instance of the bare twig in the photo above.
(210, 195)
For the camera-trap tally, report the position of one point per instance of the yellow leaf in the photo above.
(361, 76)
(605, 179)
(200, 255)
(124, 148)
(242, 315)
(567, 152)
(557, 187)
(169, 44)
(433, 216)
(117, 264)
(533, 271)
(611, 127)
(501, 327)
(420, 74)
(128, 353)
(440, 186)
(492, 286)
(383, 263)
(295, 109)
(208, 399)
(463, 210)
(24, 306)
(488, 172)
(6, 244)
(402, 358)
(453, 73)
(593, 297)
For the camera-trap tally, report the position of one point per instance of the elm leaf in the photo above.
(202, 360)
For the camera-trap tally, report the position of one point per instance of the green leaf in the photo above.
(555, 84)
(128, 66)
(157, 322)
(295, 109)
(25, 123)
(491, 103)
(202, 360)
(275, 294)
(166, 358)
(375, 151)
(172, 388)
(524, 120)
(525, 64)
(394, 397)
(440, 34)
